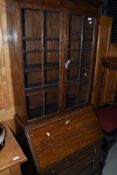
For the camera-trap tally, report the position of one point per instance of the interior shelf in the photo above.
(35, 112)
(74, 63)
(41, 111)
(75, 80)
(75, 39)
(87, 49)
(41, 50)
(38, 38)
(38, 67)
(38, 87)
(78, 49)
(73, 102)
(31, 38)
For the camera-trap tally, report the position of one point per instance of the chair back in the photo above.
(107, 87)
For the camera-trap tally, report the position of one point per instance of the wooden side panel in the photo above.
(5, 4)
(105, 25)
(110, 77)
(110, 83)
(12, 171)
(11, 150)
(3, 74)
(15, 48)
(3, 89)
(6, 93)
(112, 50)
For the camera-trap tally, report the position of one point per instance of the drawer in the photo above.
(89, 157)
(82, 169)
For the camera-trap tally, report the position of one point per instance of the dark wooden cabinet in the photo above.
(52, 58)
(57, 59)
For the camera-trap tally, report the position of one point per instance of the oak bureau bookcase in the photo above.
(52, 51)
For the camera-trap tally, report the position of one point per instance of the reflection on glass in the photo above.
(83, 92)
(51, 102)
(72, 95)
(35, 105)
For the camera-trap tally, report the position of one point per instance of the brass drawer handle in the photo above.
(67, 122)
(48, 134)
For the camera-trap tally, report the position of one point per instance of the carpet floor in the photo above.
(111, 162)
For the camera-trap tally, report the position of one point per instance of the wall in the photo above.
(6, 91)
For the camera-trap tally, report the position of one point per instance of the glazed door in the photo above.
(78, 65)
(57, 57)
(41, 30)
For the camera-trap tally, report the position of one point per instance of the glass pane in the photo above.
(76, 26)
(33, 45)
(86, 57)
(89, 24)
(33, 23)
(73, 72)
(41, 60)
(83, 91)
(52, 22)
(52, 57)
(87, 44)
(51, 60)
(85, 71)
(33, 79)
(51, 101)
(35, 105)
(51, 77)
(52, 44)
(75, 56)
(33, 59)
(75, 44)
(72, 95)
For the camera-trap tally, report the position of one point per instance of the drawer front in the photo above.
(86, 170)
(88, 159)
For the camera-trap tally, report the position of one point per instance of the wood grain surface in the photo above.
(11, 154)
(55, 141)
